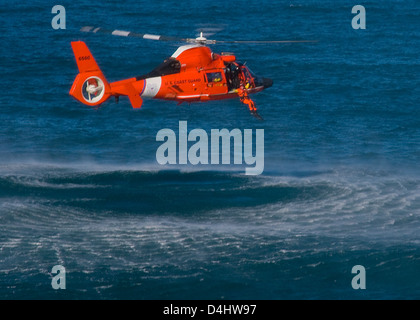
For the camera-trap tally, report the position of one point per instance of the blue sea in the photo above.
(81, 188)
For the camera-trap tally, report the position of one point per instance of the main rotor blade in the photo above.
(264, 41)
(199, 40)
(122, 33)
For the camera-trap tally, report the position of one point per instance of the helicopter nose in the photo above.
(267, 83)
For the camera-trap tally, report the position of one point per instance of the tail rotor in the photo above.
(90, 86)
(93, 89)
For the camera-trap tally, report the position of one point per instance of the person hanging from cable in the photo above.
(245, 99)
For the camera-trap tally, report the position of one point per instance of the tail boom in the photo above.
(91, 87)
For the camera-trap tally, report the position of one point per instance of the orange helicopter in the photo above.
(192, 74)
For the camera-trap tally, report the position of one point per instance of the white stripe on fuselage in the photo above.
(152, 87)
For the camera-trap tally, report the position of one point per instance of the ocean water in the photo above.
(82, 188)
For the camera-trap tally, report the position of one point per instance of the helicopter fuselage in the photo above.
(192, 74)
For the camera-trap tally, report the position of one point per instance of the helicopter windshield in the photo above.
(255, 80)
(169, 66)
(250, 72)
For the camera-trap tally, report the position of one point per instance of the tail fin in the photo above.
(90, 86)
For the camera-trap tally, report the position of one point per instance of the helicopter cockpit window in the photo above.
(214, 77)
(169, 66)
